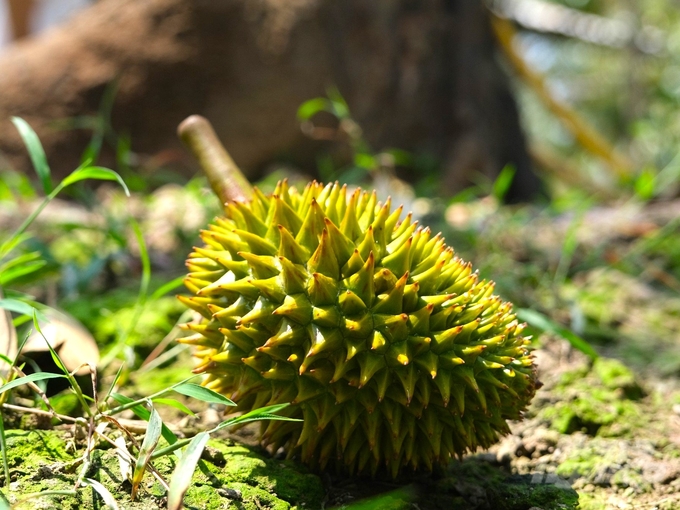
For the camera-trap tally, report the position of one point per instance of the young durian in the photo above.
(389, 347)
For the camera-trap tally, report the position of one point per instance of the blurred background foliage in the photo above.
(599, 253)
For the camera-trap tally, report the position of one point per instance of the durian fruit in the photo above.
(391, 350)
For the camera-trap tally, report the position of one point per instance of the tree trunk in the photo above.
(418, 75)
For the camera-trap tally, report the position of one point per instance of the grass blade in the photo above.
(144, 414)
(36, 152)
(181, 477)
(164, 289)
(543, 323)
(94, 172)
(103, 492)
(153, 434)
(39, 376)
(174, 403)
(5, 463)
(202, 393)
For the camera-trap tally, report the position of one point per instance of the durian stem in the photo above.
(226, 179)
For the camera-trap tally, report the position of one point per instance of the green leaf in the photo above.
(174, 403)
(308, 109)
(153, 434)
(164, 289)
(94, 172)
(543, 323)
(20, 259)
(16, 306)
(645, 184)
(8, 276)
(5, 463)
(15, 241)
(364, 160)
(263, 413)
(39, 376)
(144, 414)
(103, 492)
(55, 357)
(502, 184)
(202, 393)
(181, 477)
(36, 152)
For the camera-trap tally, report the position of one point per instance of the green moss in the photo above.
(41, 460)
(598, 401)
(592, 501)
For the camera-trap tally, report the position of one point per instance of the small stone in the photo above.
(230, 493)
(508, 450)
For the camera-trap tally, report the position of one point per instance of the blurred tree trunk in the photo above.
(418, 75)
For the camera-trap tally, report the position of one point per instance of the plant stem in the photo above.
(226, 180)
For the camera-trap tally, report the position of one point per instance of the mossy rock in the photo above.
(236, 478)
(601, 401)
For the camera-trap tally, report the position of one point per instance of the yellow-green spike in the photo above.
(280, 372)
(419, 344)
(420, 320)
(398, 354)
(392, 220)
(384, 280)
(368, 245)
(429, 361)
(324, 260)
(359, 326)
(322, 290)
(350, 225)
(326, 316)
(342, 246)
(198, 304)
(411, 299)
(282, 214)
(307, 388)
(378, 225)
(354, 264)
(366, 209)
(394, 327)
(270, 288)
(289, 333)
(312, 227)
(369, 364)
(392, 302)
(355, 346)
(261, 309)
(290, 248)
(399, 261)
(324, 340)
(293, 276)
(450, 359)
(263, 266)
(361, 282)
(253, 223)
(445, 340)
(408, 377)
(350, 303)
(257, 244)
(297, 308)
(379, 343)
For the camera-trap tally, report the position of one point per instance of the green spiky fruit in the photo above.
(391, 350)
